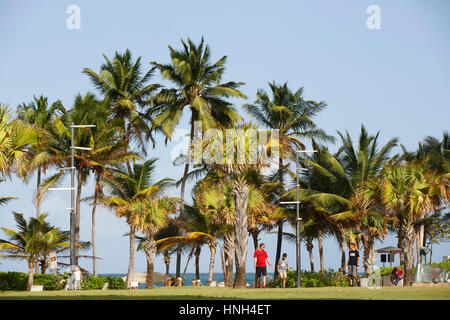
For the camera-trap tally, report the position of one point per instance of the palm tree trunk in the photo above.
(280, 222)
(94, 241)
(343, 248)
(319, 239)
(228, 247)
(211, 262)
(309, 247)
(30, 275)
(167, 262)
(78, 216)
(130, 274)
(240, 193)
(369, 256)
(183, 186)
(150, 252)
(38, 203)
(406, 237)
(254, 234)
(197, 262)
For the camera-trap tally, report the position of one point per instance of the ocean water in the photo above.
(188, 277)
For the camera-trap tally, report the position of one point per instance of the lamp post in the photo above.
(298, 219)
(73, 258)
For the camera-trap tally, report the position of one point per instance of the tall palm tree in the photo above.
(40, 114)
(123, 84)
(128, 189)
(197, 85)
(292, 115)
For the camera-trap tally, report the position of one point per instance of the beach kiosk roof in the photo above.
(389, 250)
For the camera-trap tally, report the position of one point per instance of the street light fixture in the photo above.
(73, 260)
(298, 219)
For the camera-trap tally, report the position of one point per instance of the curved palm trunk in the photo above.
(78, 216)
(369, 256)
(309, 248)
(406, 237)
(228, 248)
(211, 263)
(319, 239)
(240, 193)
(150, 252)
(94, 241)
(130, 274)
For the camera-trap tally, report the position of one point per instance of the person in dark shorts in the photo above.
(260, 263)
(353, 263)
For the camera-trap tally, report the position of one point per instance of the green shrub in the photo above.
(312, 279)
(97, 283)
(49, 281)
(13, 281)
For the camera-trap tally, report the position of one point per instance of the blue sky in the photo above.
(395, 80)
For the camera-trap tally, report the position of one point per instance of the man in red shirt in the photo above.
(260, 263)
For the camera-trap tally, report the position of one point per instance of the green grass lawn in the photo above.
(213, 293)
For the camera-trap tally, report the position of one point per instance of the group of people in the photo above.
(261, 257)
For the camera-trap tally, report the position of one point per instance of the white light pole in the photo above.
(73, 258)
(298, 219)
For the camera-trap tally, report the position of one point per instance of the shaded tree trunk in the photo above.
(309, 248)
(343, 248)
(369, 256)
(254, 234)
(130, 274)
(38, 203)
(406, 237)
(197, 262)
(30, 275)
(78, 216)
(167, 262)
(319, 239)
(280, 222)
(150, 252)
(94, 241)
(228, 248)
(240, 193)
(211, 262)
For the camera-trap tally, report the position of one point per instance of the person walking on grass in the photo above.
(353, 263)
(260, 264)
(283, 267)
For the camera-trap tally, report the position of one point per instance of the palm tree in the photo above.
(197, 86)
(125, 88)
(408, 192)
(16, 137)
(40, 114)
(213, 195)
(151, 217)
(292, 115)
(242, 167)
(128, 189)
(29, 241)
